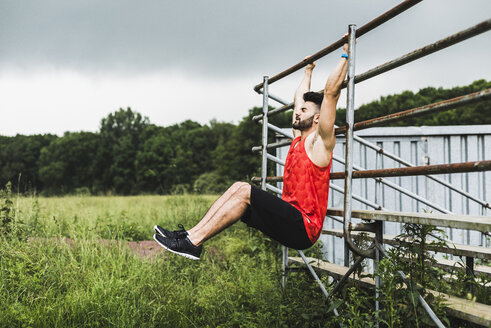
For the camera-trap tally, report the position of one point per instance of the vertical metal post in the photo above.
(379, 240)
(379, 225)
(378, 183)
(484, 240)
(264, 163)
(350, 107)
(346, 254)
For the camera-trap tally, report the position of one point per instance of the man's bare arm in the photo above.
(332, 91)
(302, 88)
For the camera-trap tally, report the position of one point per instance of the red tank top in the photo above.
(306, 187)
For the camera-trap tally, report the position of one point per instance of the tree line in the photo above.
(130, 155)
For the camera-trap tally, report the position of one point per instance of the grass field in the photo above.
(48, 282)
(67, 262)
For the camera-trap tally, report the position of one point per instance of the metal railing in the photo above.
(375, 251)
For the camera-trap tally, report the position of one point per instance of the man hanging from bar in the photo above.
(296, 219)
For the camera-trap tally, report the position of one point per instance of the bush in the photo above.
(211, 183)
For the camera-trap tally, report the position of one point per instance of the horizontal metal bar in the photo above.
(275, 159)
(403, 6)
(386, 182)
(405, 59)
(274, 111)
(419, 170)
(424, 51)
(280, 131)
(470, 222)
(275, 98)
(273, 188)
(410, 171)
(335, 219)
(268, 179)
(273, 145)
(400, 189)
(414, 112)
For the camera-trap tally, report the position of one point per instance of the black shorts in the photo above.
(277, 219)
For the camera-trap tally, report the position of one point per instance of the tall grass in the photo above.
(46, 281)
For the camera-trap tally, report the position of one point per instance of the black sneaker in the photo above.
(171, 234)
(181, 246)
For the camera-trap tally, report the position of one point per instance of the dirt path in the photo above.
(143, 249)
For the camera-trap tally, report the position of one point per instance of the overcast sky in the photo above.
(64, 65)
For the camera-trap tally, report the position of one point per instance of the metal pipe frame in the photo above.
(385, 153)
(350, 127)
(273, 97)
(403, 6)
(426, 50)
(280, 131)
(264, 161)
(398, 188)
(379, 180)
(465, 167)
(419, 111)
(276, 160)
(273, 188)
(405, 171)
(350, 109)
(273, 145)
(407, 58)
(477, 166)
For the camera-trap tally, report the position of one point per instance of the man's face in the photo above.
(305, 117)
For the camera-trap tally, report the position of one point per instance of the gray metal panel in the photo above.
(421, 146)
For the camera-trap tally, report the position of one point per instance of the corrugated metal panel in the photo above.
(420, 146)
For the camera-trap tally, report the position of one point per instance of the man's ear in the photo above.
(316, 117)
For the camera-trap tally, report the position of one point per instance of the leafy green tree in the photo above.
(153, 161)
(67, 162)
(19, 160)
(121, 135)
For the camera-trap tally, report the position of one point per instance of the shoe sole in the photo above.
(186, 255)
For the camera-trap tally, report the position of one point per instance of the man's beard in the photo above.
(305, 124)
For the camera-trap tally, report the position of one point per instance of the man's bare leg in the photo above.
(217, 204)
(228, 211)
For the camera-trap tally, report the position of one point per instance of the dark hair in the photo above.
(314, 97)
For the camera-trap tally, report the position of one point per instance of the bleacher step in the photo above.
(458, 307)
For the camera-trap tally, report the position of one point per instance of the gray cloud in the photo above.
(221, 37)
